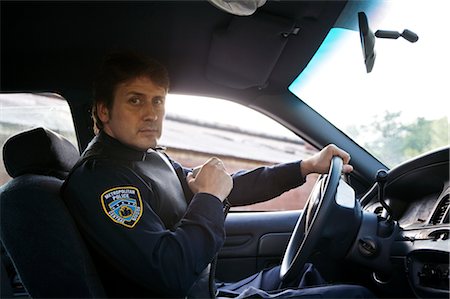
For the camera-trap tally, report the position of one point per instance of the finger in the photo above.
(196, 170)
(347, 168)
(220, 166)
(345, 157)
(190, 178)
(341, 153)
(212, 161)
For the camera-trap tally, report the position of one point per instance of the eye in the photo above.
(135, 100)
(158, 101)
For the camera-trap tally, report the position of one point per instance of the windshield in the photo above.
(399, 109)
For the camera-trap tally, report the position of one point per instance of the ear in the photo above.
(103, 112)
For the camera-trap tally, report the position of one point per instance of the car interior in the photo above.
(385, 228)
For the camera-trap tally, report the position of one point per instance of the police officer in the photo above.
(151, 225)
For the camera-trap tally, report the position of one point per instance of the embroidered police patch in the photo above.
(123, 205)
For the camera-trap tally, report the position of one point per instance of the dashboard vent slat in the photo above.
(441, 212)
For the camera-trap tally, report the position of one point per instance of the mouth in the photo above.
(149, 131)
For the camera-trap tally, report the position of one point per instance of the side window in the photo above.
(23, 111)
(196, 129)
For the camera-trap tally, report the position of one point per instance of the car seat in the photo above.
(37, 231)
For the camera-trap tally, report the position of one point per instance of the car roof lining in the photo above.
(243, 54)
(61, 43)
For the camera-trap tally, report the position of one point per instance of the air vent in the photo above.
(440, 214)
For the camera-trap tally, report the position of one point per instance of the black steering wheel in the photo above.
(319, 218)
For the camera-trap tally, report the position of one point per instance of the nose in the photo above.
(149, 113)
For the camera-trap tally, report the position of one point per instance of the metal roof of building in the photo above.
(215, 139)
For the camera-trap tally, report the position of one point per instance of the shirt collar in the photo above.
(113, 148)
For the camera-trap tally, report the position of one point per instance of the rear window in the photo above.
(23, 111)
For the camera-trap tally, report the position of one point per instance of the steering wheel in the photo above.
(310, 225)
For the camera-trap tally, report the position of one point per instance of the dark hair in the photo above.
(120, 67)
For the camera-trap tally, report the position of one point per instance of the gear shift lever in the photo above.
(381, 178)
(384, 227)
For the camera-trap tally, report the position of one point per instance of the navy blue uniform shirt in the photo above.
(148, 233)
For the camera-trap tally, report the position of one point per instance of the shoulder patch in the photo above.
(123, 205)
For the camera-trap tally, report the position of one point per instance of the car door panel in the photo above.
(255, 240)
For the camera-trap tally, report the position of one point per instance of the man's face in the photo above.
(137, 114)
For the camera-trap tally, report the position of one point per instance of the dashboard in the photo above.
(417, 191)
(417, 196)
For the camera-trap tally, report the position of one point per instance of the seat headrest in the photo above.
(39, 151)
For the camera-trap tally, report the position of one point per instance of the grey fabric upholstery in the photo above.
(237, 51)
(37, 230)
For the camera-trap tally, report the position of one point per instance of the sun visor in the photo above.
(245, 53)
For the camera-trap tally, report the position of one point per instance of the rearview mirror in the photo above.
(367, 41)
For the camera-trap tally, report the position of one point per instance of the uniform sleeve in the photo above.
(257, 185)
(264, 183)
(110, 204)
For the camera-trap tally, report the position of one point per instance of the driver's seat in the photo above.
(37, 230)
